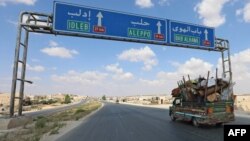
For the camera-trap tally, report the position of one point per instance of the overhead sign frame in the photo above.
(43, 23)
(205, 41)
(164, 38)
(156, 34)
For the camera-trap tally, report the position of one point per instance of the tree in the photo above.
(27, 101)
(103, 97)
(67, 99)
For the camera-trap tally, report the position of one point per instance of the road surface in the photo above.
(118, 122)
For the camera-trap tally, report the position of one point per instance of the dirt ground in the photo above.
(242, 102)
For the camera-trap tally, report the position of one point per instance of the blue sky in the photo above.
(96, 67)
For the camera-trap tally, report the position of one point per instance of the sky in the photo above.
(95, 67)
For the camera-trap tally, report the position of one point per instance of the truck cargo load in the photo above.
(203, 101)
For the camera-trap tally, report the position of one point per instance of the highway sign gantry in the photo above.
(100, 23)
(103, 23)
(191, 35)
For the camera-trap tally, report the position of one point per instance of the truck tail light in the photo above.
(229, 109)
(210, 110)
(232, 109)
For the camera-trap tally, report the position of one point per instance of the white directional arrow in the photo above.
(99, 16)
(159, 27)
(206, 34)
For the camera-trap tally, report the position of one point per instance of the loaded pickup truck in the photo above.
(215, 113)
(210, 104)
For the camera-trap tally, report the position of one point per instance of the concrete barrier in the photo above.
(9, 123)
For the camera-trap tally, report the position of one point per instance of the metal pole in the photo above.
(230, 69)
(216, 78)
(21, 92)
(229, 62)
(15, 67)
(205, 95)
(223, 63)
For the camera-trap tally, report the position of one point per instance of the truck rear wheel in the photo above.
(173, 118)
(195, 122)
(219, 124)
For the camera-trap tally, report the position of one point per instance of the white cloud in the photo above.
(163, 2)
(240, 65)
(114, 68)
(238, 12)
(168, 80)
(55, 50)
(118, 73)
(144, 3)
(210, 12)
(98, 83)
(145, 55)
(36, 68)
(87, 77)
(53, 43)
(155, 83)
(245, 12)
(240, 70)
(34, 78)
(26, 2)
(195, 67)
(25, 18)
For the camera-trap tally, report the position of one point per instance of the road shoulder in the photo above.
(70, 125)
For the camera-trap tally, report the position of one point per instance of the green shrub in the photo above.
(40, 123)
(67, 99)
(35, 138)
(54, 131)
(79, 111)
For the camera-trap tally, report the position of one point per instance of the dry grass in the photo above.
(52, 124)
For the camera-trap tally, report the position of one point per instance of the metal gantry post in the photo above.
(31, 25)
(15, 66)
(226, 65)
(226, 57)
(229, 62)
(223, 63)
(22, 80)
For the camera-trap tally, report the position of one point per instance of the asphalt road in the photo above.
(54, 110)
(118, 122)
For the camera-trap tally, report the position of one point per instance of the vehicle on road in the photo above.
(203, 102)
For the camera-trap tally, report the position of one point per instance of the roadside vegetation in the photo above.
(103, 97)
(49, 125)
(67, 99)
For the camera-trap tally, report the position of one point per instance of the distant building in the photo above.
(242, 102)
(149, 99)
(5, 102)
(5, 99)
